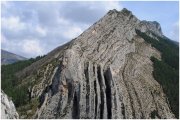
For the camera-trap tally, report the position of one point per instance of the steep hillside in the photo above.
(166, 70)
(109, 71)
(9, 81)
(8, 58)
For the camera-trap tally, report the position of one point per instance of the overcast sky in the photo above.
(35, 28)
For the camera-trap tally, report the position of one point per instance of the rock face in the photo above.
(8, 110)
(106, 72)
(151, 26)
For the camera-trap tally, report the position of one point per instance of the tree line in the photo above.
(10, 83)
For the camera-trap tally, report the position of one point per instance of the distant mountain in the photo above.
(8, 57)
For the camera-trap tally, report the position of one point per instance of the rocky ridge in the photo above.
(106, 72)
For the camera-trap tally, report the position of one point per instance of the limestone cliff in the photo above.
(8, 110)
(106, 72)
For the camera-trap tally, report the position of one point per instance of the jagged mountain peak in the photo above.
(106, 72)
(152, 26)
(124, 10)
(112, 11)
(143, 26)
(123, 13)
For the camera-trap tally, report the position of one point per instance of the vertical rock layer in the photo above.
(106, 72)
(8, 110)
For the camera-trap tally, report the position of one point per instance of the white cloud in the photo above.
(3, 39)
(72, 32)
(40, 30)
(12, 23)
(81, 11)
(32, 47)
(103, 5)
(109, 5)
(174, 34)
(5, 4)
(29, 25)
(27, 48)
(63, 21)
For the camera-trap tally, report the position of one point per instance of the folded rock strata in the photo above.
(106, 72)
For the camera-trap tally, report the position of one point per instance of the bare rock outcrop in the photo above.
(154, 27)
(8, 110)
(106, 72)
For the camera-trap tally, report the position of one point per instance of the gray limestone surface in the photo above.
(106, 72)
(8, 110)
